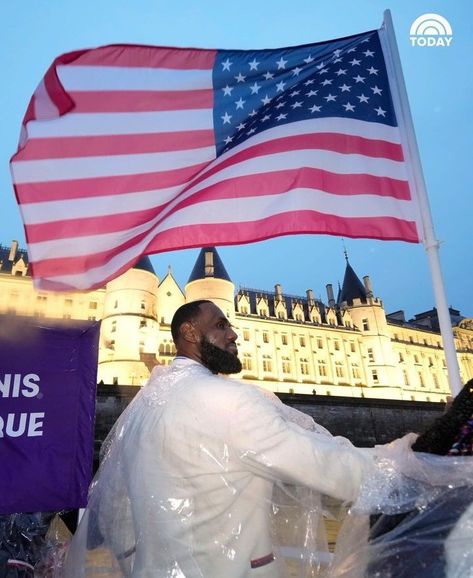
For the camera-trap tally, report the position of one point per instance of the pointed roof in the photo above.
(352, 287)
(208, 264)
(145, 265)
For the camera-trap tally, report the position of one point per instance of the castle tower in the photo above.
(210, 280)
(368, 315)
(129, 332)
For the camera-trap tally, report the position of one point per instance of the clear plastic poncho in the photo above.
(208, 477)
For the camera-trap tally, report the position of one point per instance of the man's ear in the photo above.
(189, 332)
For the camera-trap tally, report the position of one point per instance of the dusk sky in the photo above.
(439, 84)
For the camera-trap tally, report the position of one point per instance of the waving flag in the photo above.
(131, 150)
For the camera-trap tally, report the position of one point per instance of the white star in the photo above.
(359, 78)
(266, 117)
(266, 99)
(337, 60)
(340, 71)
(268, 75)
(337, 52)
(323, 71)
(253, 64)
(376, 90)
(355, 62)
(352, 50)
(330, 97)
(296, 71)
(280, 105)
(345, 88)
(309, 59)
(365, 40)
(368, 53)
(294, 93)
(241, 126)
(251, 131)
(281, 63)
(326, 81)
(363, 98)
(319, 66)
(252, 113)
(315, 108)
(228, 140)
(240, 77)
(281, 116)
(372, 70)
(309, 82)
(255, 88)
(226, 118)
(380, 111)
(280, 86)
(348, 107)
(227, 90)
(297, 104)
(226, 64)
(311, 93)
(239, 103)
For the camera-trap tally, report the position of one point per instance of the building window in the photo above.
(41, 299)
(115, 380)
(142, 346)
(302, 340)
(246, 335)
(436, 381)
(339, 369)
(265, 337)
(246, 362)
(401, 357)
(114, 327)
(374, 375)
(68, 302)
(370, 355)
(115, 305)
(421, 379)
(322, 368)
(281, 315)
(143, 304)
(365, 324)
(336, 344)
(92, 318)
(352, 347)
(267, 365)
(320, 343)
(92, 304)
(286, 365)
(355, 371)
(142, 323)
(244, 310)
(284, 339)
(406, 377)
(111, 344)
(65, 316)
(304, 364)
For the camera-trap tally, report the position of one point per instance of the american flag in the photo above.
(131, 150)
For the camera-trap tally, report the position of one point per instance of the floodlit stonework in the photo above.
(347, 346)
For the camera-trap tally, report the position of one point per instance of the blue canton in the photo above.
(257, 90)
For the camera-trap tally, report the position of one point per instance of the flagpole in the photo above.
(431, 244)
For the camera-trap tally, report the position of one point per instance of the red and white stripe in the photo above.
(131, 170)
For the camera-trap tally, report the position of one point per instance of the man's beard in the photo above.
(218, 360)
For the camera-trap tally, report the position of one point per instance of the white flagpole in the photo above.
(431, 244)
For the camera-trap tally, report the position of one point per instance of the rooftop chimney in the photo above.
(331, 298)
(278, 292)
(368, 286)
(13, 250)
(310, 297)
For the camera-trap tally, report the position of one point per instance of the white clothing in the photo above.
(200, 461)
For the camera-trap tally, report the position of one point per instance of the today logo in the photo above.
(431, 30)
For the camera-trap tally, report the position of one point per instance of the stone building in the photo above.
(347, 346)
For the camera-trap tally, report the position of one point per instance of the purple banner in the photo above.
(47, 408)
